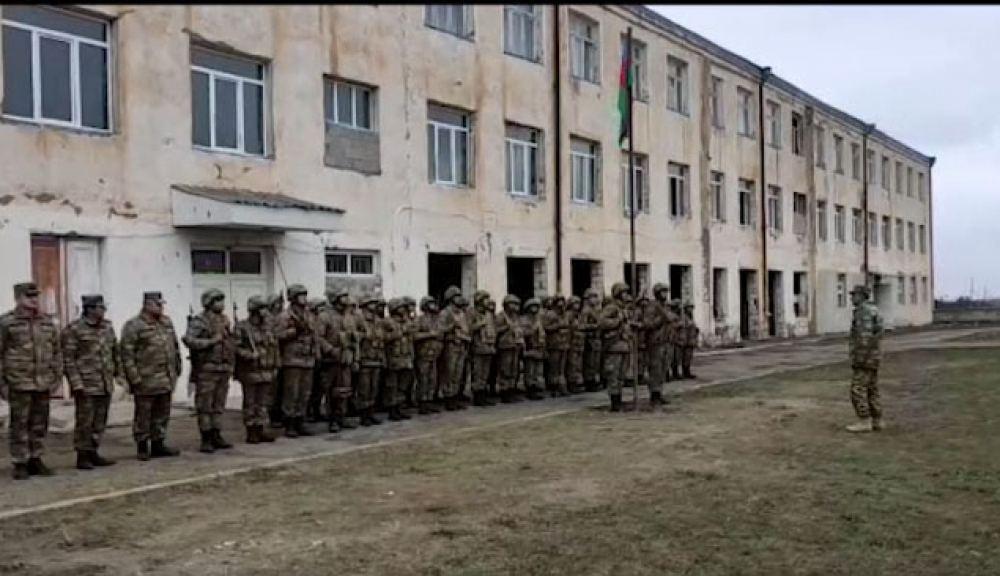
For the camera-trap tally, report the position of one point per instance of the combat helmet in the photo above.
(532, 302)
(425, 301)
(255, 303)
(861, 289)
(451, 292)
(395, 304)
(511, 299)
(480, 296)
(660, 287)
(574, 302)
(295, 290)
(618, 289)
(211, 295)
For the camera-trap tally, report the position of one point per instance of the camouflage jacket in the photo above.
(615, 329)
(577, 337)
(150, 355)
(866, 336)
(398, 343)
(656, 321)
(30, 353)
(331, 338)
(688, 333)
(455, 326)
(590, 324)
(427, 338)
(297, 335)
(257, 353)
(509, 334)
(534, 336)
(207, 354)
(484, 332)
(370, 341)
(91, 357)
(672, 329)
(557, 332)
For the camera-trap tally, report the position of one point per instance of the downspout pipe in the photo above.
(765, 74)
(869, 128)
(930, 229)
(557, 141)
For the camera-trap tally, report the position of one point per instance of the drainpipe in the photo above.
(869, 128)
(557, 115)
(764, 297)
(930, 229)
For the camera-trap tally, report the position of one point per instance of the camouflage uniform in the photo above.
(398, 358)
(675, 339)
(557, 344)
(655, 321)
(689, 340)
(428, 343)
(534, 349)
(339, 340)
(213, 356)
(275, 306)
(296, 333)
(616, 337)
(865, 354)
(31, 367)
(481, 324)
(152, 363)
(641, 335)
(510, 343)
(257, 358)
(577, 346)
(410, 326)
(454, 326)
(372, 360)
(317, 392)
(92, 364)
(590, 325)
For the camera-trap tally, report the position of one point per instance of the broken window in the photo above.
(55, 67)
(774, 123)
(717, 184)
(227, 98)
(718, 110)
(677, 85)
(748, 209)
(679, 199)
(639, 84)
(838, 154)
(747, 124)
(775, 220)
(800, 213)
(821, 225)
(839, 224)
(522, 27)
(800, 291)
(797, 131)
(855, 161)
(585, 166)
(887, 233)
(820, 147)
(640, 182)
(585, 61)
(841, 290)
(454, 19)
(449, 145)
(524, 169)
(719, 294)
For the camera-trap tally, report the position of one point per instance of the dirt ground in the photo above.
(748, 478)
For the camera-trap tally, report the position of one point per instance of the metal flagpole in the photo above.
(631, 218)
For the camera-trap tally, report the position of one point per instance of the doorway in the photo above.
(680, 282)
(748, 304)
(641, 271)
(239, 273)
(775, 303)
(444, 270)
(585, 274)
(525, 277)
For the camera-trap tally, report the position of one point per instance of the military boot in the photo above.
(616, 402)
(252, 435)
(332, 427)
(394, 415)
(263, 436)
(20, 472)
(97, 460)
(161, 450)
(218, 442)
(301, 428)
(864, 425)
(83, 460)
(655, 397)
(371, 417)
(290, 430)
(38, 468)
(142, 450)
(206, 442)
(877, 424)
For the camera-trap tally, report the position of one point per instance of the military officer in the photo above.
(372, 359)
(151, 360)
(31, 368)
(483, 329)
(257, 358)
(689, 340)
(213, 356)
(615, 334)
(510, 343)
(534, 349)
(92, 365)
(456, 339)
(398, 358)
(428, 342)
(296, 333)
(275, 306)
(590, 326)
(865, 354)
(557, 344)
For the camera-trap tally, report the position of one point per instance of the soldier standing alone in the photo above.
(213, 356)
(256, 363)
(865, 344)
(92, 366)
(31, 368)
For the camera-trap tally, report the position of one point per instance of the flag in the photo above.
(624, 88)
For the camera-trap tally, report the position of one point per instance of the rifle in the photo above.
(190, 358)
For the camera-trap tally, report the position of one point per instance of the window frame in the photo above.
(678, 85)
(745, 124)
(746, 188)
(887, 233)
(350, 256)
(717, 191)
(775, 213)
(774, 124)
(682, 175)
(855, 161)
(355, 87)
(212, 74)
(529, 149)
(454, 129)
(589, 44)
(535, 16)
(820, 147)
(798, 131)
(840, 223)
(718, 103)
(838, 154)
(841, 290)
(591, 159)
(640, 171)
(468, 21)
(822, 231)
(800, 219)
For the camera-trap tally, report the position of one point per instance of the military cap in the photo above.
(618, 289)
(480, 296)
(660, 287)
(92, 301)
(511, 299)
(860, 289)
(451, 292)
(25, 289)
(425, 301)
(211, 295)
(532, 302)
(255, 303)
(154, 296)
(296, 289)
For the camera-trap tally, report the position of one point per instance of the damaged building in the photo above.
(407, 148)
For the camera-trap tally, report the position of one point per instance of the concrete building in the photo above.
(405, 148)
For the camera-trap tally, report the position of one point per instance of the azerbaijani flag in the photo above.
(624, 87)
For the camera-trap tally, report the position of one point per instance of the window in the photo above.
(839, 224)
(913, 289)
(719, 294)
(350, 105)
(911, 235)
(228, 102)
(923, 239)
(641, 92)
(746, 110)
(838, 154)
(920, 186)
(909, 181)
(820, 147)
(454, 19)
(821, 224)
(718, 110)
(870, 175)
(887, 233)
(797, 133)
(521, 31)
(799, 214)
(208, 261)
(748, 210)
(449, 145)
(640, 180)
(855, 161)
(585, 160)
(841, 290)
(857, 226)
(886, 174)
(679, 199)
(584, 48)
(899, 178)
(774, 212)
(677, 85)
(800, 292)
(774, 123)
(901, 289)
(211, 261)
(717, 184)
(873, 229)
(524, 167)
(899, 234)
(350, 263)
(923, 289)
(56, 68)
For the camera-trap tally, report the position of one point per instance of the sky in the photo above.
(926, 75)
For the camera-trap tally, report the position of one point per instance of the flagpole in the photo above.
(631, 218)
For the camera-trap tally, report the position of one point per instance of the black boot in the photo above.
(345, 423)
(332, 427)
(290, 430)
(218, 442)
(20, 472)
(300, 427)
(263, 436)
(371, 417)
(423, 408)
(655, 398)
(394, 415)
(252, 435)
(616, 402)
(83, 460)
(142, 450)
(160, 450)
(477, 398)
(97, 460)
(38, 468)
(206, 442)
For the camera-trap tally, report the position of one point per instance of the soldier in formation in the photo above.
(865, 354)
(257, 358)
(213, 356)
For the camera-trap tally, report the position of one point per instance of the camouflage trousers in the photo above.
(481, 364)
(29, 423)
(864, 392)
(614, 370)
(367, 388)
(455, 362)
(556, 364)
(507, 369)
(255, 396)
(336, 381)
(210, 392)
(152, 414)
(592, 365)
(659, 358)
(687, 357)
(397, 382)
(534, 374)
(295, 391)
(91, 419)
(276, 395)
(427, 378)
(574, 369)
(317, 392)
(675, 360)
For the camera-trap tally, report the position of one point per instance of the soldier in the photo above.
(510, 342)
(865, 353)
(656, 323)
(577, 346)
(337, 335)
(398, 358)
(615, 333)
(317, 394)
(151, 360)
(689, 340)
(483, 329)
(410, 323)
(31, 367)
(590, 325)
(557, 344)
(257, 359)
(456, 340)
(675, 338)
(92, 365)
(296, 334)
(372, 359)
(463, 399)
(213, 356)
(641, 335)
(534, 349)
(275, 306)
(428, 343)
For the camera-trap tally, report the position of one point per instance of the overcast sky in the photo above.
(926, 75)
